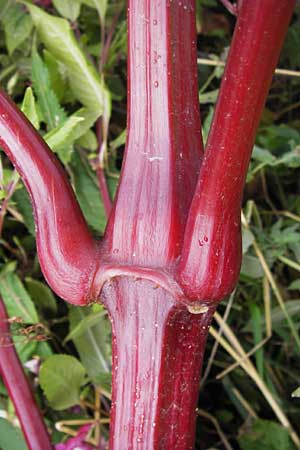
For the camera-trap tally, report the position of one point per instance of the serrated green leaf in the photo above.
(88, 194)
(68, 8)
(59, 39)
(16, 299)
(61, 377)
(61, 138)
(41, 295)
(29, 108)
(91, 341)
(11, 438)
(51, 110)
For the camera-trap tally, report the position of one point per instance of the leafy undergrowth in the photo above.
(66, 70)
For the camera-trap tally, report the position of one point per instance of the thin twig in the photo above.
(244, 403)
(231, 7)
(212, 62)
(216, 424)
(216, 344)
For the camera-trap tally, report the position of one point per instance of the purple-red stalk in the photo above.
(19, 389)
(172, 247)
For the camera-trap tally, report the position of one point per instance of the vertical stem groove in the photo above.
(157, 355)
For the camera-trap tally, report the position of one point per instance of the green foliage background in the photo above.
(65, 65)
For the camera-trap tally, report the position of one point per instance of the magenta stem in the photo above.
(19, 390)
(164, 148)
(211, 256)
(158, 349)
(67, 251)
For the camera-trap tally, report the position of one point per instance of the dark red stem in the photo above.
(163, 150)
(19, 390)
(104, 191)
(67, 252)
(158, 349)
(211, 256)
(165, 245)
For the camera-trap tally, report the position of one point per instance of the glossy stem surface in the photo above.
(158, 349)
(164, 147)
(19, 390)
(211, 255)
(67, 252)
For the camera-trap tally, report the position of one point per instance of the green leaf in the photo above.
(57, 74)
(41, 295)
(11, 438)
(29, 108)
(265, 435)
(120, 140)
(296, 393)
(295, 285)
(68, 8)
(89, 117)
(24, 207)
(88, 141)
(61, 377)
(17, 25)
(101, 6)
(88, 194)
(209, 97)
(59, 39)
(16, 299)
(262, 155)
(248, 239)
(251, 267)
(90, 333)
(51, 110)
(61, 138)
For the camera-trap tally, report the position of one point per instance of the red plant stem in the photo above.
(163, 149)
(19, 390)
(211, 255)
(231, 7)
(67, 252)
(157, 355)
(104, 191)
(102, 127)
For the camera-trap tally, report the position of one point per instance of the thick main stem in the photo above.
(19, 390)
(164, 147)
(157, 355)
